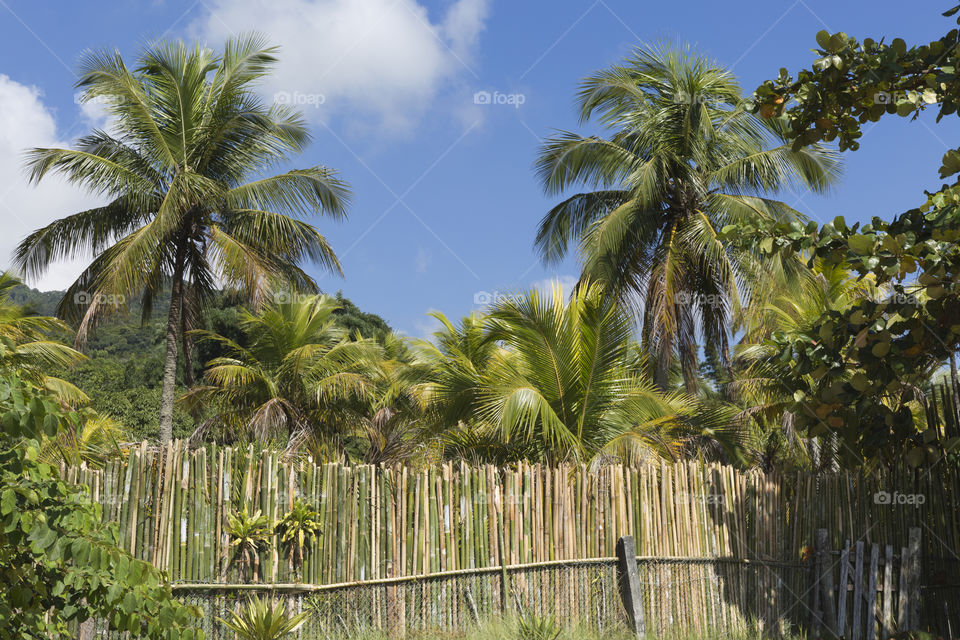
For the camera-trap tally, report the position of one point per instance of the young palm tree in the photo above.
(249, 533)
(298, 526)
(90, 438)
(297, 377)
(26, 347)
(567, 384)
(189, 207)
(682, 161)
(390, 412)
(450, 368)
(261, 619)
(447, 376)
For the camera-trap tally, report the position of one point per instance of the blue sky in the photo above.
(446, 204)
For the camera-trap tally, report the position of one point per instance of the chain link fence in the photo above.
(690, 594)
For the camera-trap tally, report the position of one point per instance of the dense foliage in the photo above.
(293, 380)
(551, 379)
(861, 370)
(665, 347)
(122, 370)
(59, 563)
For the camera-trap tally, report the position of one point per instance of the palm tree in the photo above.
(562, 381)
(249, 533)
(683, 160)
(390, 412)
(449, 369)
(296, 377)
(296, 527)
(26, 347)
(88, 438)
(758, 384)
(189, 207)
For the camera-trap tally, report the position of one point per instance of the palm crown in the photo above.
(550, 379)
(683, 160)
(181, 167)
(298, 377)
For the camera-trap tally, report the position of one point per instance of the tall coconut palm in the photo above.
(189, 206)
(298, 377)
(682, 161)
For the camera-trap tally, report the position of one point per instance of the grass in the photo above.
(534, 627)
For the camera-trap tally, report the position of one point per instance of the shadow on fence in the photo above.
(718, 546)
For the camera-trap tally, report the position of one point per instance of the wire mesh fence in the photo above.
(677, 593)
(715, 541)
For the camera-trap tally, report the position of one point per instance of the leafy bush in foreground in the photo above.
(58, 562)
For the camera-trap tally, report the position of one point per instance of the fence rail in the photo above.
(387, 523)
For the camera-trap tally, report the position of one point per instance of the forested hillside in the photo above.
(123, 373)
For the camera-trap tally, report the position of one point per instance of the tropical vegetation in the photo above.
(249, 534)
(710, 319)
(261, 619)
(59, 561)
(683, 160)
(188, 209)
(665, 349)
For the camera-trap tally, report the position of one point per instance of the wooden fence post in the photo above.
(913, 581)
(628, 580)
(825, 577)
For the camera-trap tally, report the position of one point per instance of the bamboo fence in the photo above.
(715, 544)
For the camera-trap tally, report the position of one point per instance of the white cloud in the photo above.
(426, 327)
(383, 61)
(463, 24)
(547, 285)
(94, 114)
(26, 122)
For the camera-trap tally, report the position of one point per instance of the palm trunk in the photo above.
(170, 363)
(188, 379)
(186, 343)
(953, 373)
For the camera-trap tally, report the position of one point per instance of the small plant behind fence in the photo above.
(717, 546)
